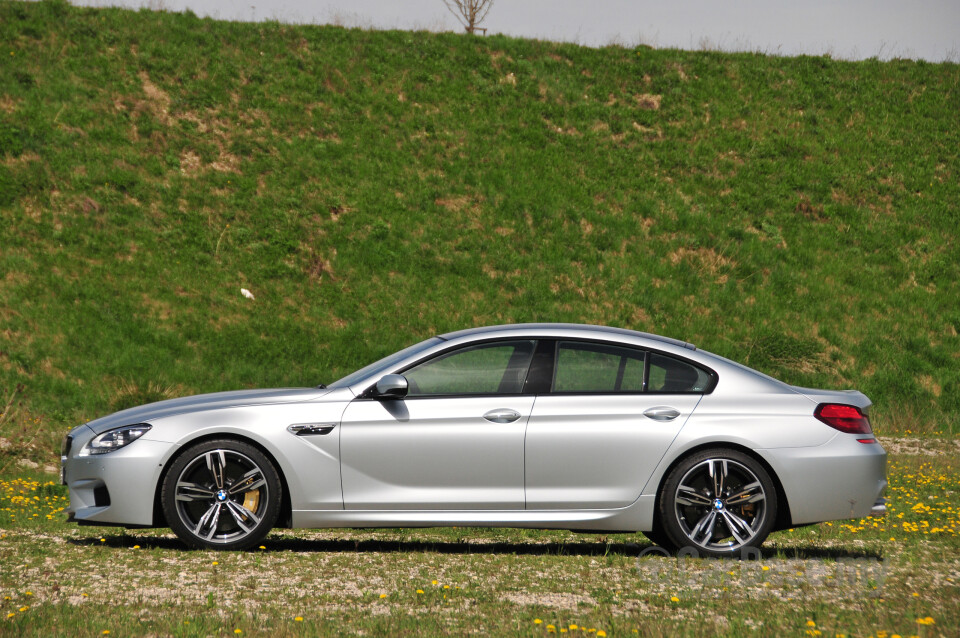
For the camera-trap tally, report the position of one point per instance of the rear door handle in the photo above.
(661, 413)
(502, 415)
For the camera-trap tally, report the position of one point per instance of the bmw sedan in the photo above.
(533, 425)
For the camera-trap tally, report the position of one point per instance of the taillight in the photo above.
(846, 418)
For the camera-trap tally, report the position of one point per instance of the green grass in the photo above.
(857, 578)
(374, 188)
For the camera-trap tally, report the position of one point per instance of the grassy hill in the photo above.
(373, 188)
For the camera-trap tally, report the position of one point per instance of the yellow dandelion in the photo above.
(299, 619)
(551, 629)
(601, 633)
(433, 582)
(766, 568)
(537, 621)
(674, 599)
(419, 591)
(105, 632)
(25, 608)
(810, 623)
(11, 615)
(573, 627)
(926, 621)
(238, 631)
(136, 547)
(216, 562)
(263, 547)
(383, 595)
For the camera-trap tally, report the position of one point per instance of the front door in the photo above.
(455, 442)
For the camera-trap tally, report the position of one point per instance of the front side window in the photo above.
(594, 367)
(489, 368)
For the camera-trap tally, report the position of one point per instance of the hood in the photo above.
(847, 397)
(200, 402)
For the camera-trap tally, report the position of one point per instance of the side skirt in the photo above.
(635, 517)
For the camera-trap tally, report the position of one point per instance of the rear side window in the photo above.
(594, 367)
(673, 375)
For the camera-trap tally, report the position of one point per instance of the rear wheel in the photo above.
(658, 537)
(221, 494)
(718, 502)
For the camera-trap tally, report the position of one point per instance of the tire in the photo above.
(718, 518)
(659, 538)
(222, 494)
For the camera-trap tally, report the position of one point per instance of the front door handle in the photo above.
(502, 415)
(662, 413)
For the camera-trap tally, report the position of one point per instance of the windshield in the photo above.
(377, 367)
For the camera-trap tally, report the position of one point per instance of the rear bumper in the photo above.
(838, 480)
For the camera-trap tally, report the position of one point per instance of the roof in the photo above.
(575, 327)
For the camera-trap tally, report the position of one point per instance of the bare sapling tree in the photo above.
(470, 13)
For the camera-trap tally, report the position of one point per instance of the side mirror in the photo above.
(391, 386)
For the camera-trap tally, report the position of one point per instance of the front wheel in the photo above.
(222, 494)
(718, 502)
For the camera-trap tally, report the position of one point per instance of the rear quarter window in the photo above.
(669, 375)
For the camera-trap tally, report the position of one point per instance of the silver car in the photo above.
(534, 425)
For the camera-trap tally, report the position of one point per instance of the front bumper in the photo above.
(117, 488)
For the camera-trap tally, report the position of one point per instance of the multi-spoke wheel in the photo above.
(221, 494)
(718, 502)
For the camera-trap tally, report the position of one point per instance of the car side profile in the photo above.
(532, 425)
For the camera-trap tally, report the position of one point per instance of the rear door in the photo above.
(595, 438)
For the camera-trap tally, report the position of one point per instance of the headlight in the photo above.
(115, 439)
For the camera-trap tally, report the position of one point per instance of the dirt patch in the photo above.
(226, 163)
(456, 204)
(676, 66)
(8, 104)
(559, 601)
(706, 260)
(189, 163)
(927, 383)
(919, 447)
(158, 100)
(649, 102)
(647, 132)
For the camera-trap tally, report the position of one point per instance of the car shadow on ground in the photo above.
(529, 548)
